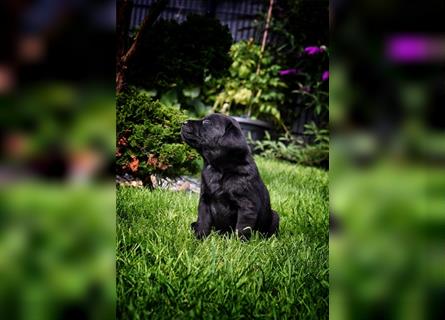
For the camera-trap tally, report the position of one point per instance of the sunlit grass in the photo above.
(164, 272)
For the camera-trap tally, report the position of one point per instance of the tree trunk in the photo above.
(120, 79)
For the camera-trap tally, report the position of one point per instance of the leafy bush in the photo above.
(298, 22)
(307, 86)
(301, 33)
(174, 59)
(307, 82)
(149, 141)
(293, 149)
(248, 90)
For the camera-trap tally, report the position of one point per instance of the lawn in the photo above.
(163, 272)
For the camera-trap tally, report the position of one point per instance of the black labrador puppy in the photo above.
(233, 196)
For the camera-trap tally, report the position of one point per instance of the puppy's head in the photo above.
(216, 137)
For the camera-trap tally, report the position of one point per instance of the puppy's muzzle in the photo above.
(186, 127)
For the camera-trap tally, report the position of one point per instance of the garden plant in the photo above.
(148, 140)
(253, 86)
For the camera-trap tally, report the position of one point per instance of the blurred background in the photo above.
(387, 153)
(57, 141)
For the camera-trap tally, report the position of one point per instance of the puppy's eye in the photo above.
(206, 122)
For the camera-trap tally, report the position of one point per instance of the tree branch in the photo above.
(265, 34)
(149, 20)
(123, 16)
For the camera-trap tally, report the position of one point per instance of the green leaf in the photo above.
(192, 92)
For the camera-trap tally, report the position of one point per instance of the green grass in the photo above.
(163, 272)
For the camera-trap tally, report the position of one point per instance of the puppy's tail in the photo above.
(274, 225)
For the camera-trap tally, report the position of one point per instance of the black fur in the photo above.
(233, 196)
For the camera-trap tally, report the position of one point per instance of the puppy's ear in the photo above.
(230, 129)
(233, 131)
(228, 148)
(234, 139)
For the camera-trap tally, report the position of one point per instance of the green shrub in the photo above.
(293, 149)
(247, 90)
(173, 53)
(175, 58)
(148, 139)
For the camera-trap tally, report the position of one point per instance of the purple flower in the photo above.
(313, 50)
(415, 48)
(407, 49)
(288, 72)
(325, 75)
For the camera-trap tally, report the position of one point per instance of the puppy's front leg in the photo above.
(245, 223)
(203, 226)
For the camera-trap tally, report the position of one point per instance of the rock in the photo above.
(185, 186)
(181, 184)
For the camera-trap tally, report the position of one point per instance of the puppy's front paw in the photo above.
(199, 232)
(244, 234)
